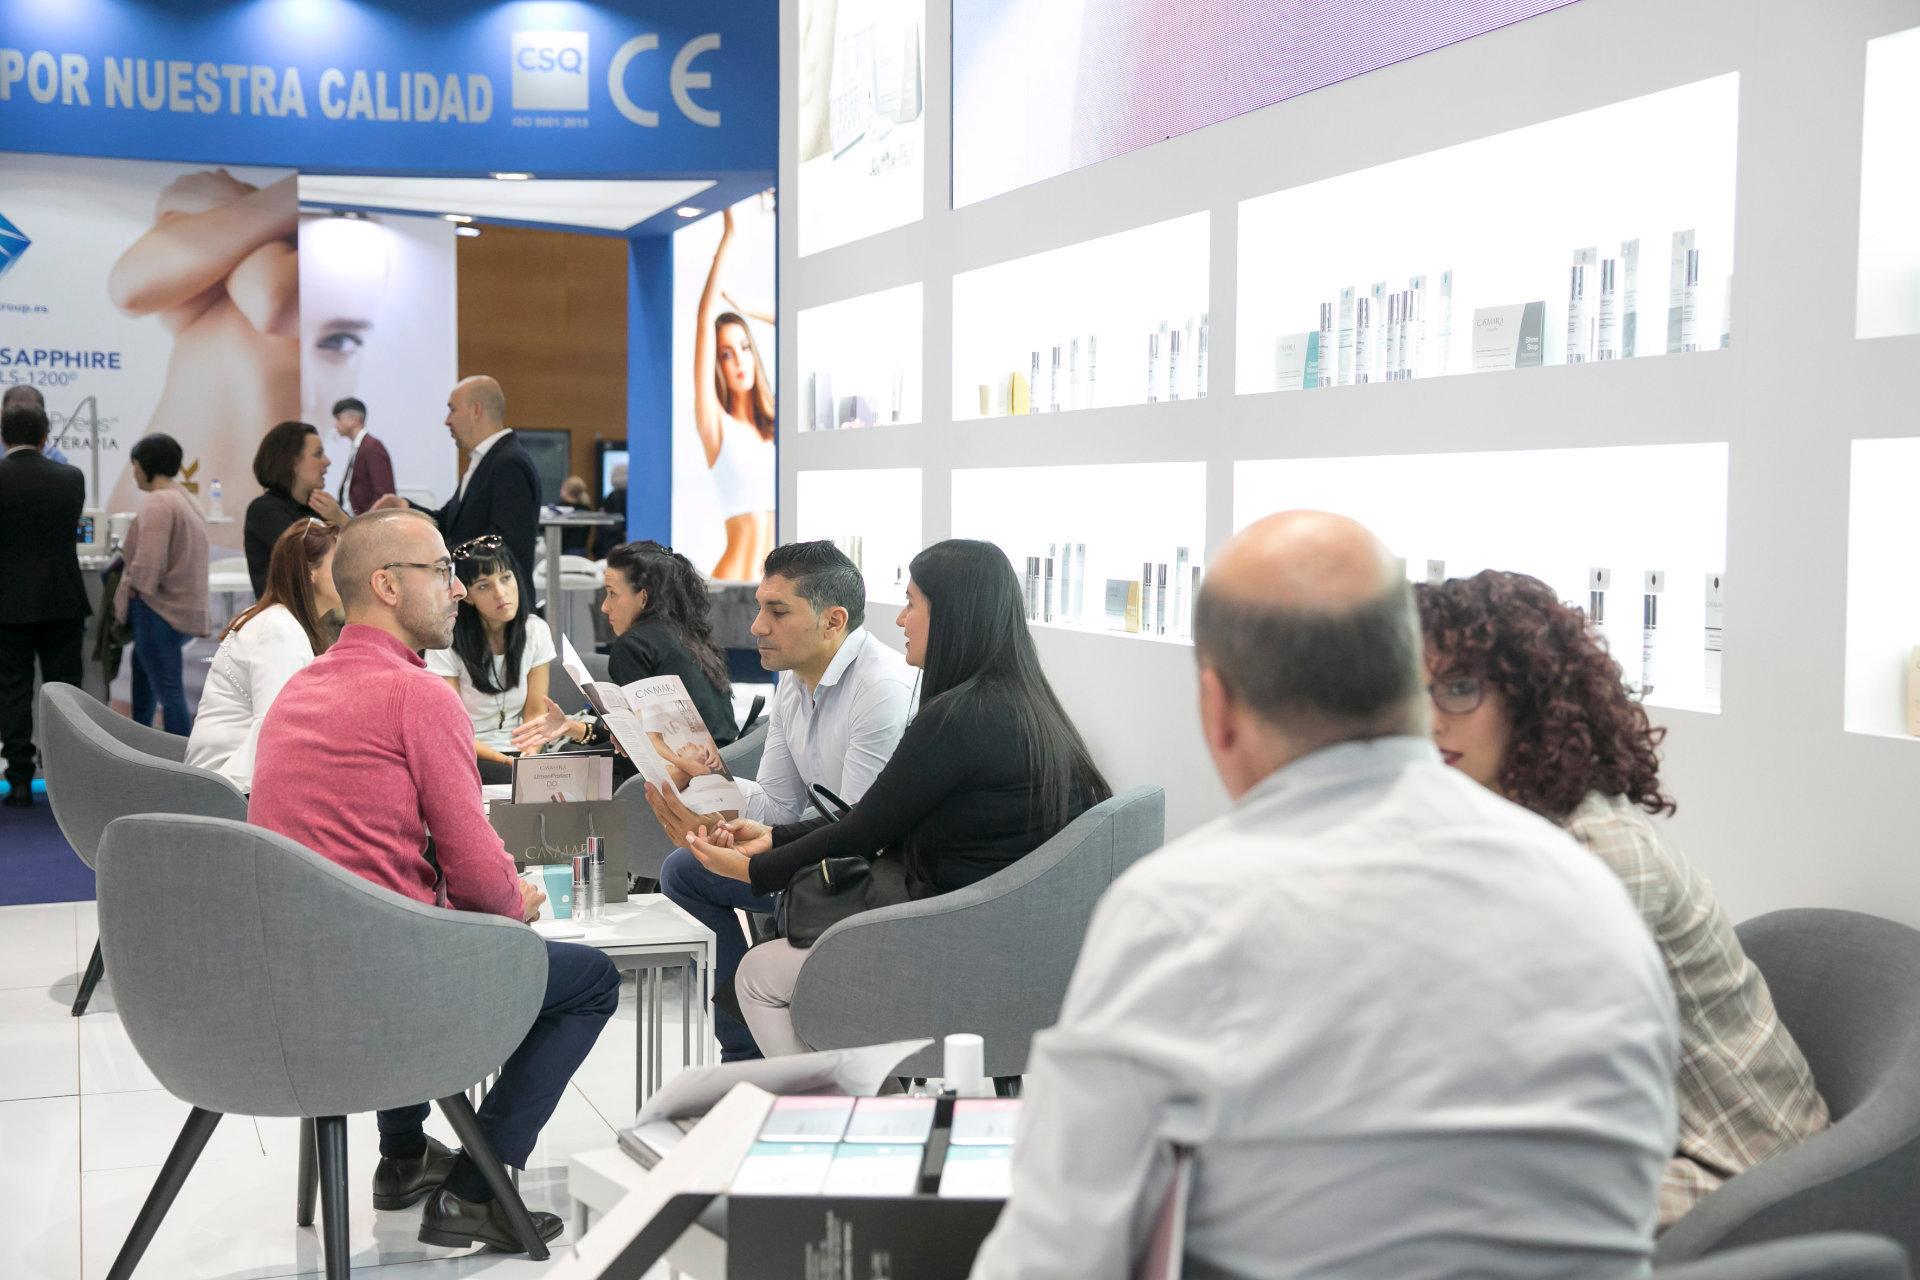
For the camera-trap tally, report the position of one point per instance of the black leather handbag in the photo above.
(824, 893)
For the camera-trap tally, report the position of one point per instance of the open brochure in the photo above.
(656, 723)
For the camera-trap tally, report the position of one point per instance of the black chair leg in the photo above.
(186, 1149)
(1006, 1086)
(330, 1142)
(474, 1145)
(88, 981)
(309, 1175)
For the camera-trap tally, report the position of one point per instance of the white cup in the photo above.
(965, 1069)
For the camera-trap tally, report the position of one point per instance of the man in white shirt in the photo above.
(838, 712)
(1401, 1027)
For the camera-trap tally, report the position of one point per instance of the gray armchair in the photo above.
(102, 766)
(1824, 1257)
(1847, 986)
(993, 958)
(649, 845)
(254, 977)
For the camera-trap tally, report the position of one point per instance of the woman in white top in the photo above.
(498, 661)
(262, 648)
(733, 410)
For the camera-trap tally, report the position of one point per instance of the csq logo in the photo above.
(549, 71)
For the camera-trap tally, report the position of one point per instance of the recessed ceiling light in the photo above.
(466, 231)
(688, 211)
(457, 217)
(512, 177)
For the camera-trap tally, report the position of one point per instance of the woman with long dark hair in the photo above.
(990, 769)
(293, 622)
(1528, 703)
(498, 660)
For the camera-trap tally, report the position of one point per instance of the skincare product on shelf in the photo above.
(1200, 360)
(1913, 691)
(1598, 580)
(1677, 286)
(1407, 364)
(1093, 388)
(1033, 588)
(1033, 386)
(1077, 390)
(1173, 365)
(1182, 601)
(1436, 573)
(1119, 597)
(1630, 298)
(1291, 354)
(1046, 587)
(1377, 298)
(1018, 402)
(899, 396)
(1066, 583)
(1443, 332)
(1414, 358)
(1329, 366)
(986, 400)
(1609, 340)
(1362, 339)
(1160, 599)
(1135, 605)
(822, 419)
(1690, 304)
(1153, 367)
(1716, 633)
(1579, 314)
(1656, 582)
(1053, 383)
(1079, 581)
(1512, 337)
(1193, 598)
(1146, 596)
(1346, 336)
(1390, 364)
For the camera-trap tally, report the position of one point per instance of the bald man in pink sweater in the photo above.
(363, 753)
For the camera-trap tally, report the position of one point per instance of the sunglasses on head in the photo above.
(485, 544)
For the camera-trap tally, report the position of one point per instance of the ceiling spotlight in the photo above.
(688, 211)
(466, 231)
(512, 177)
(461, 218)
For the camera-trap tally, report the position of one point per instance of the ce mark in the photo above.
(680, 79)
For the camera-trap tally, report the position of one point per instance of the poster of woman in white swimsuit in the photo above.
(733, 411)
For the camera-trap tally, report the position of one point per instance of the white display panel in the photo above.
(1127, 516)
(1109, 295)
(1552, 513)
(863, 120)
(1883, 567)
(1504, 216)
(873, 515)
(1889, 300)
(860, 359)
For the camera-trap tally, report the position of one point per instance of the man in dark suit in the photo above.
(500, 491)
(43, 601)
(368, 475)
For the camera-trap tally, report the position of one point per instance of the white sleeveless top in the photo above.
(744, 477)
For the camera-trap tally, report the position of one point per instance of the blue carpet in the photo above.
(36, 862)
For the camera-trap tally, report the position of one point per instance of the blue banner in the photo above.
(436, 87)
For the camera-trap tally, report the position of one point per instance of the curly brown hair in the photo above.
(1575, 730)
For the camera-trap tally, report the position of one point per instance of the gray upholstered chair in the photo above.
(1847, 986)
(102, 766)
(648, 845)
(255, 977)
(993, 958)
(1835, 1256)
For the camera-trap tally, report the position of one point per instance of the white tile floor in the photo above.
(84, 1127)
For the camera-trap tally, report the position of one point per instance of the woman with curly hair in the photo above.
(1528, 703)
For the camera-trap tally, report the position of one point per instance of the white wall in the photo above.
(1779, 804)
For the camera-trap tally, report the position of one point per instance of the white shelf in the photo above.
(864, 349)
(1889, 296)
(862, 119)
(1105, 297)
(1127, 515)
(1551, 513)
(1883, 564)
(880, 507)
(1503, 217)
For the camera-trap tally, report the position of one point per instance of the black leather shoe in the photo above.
(403, 1183)
(455, 1223)
(19, 797)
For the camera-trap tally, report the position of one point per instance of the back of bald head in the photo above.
(1307, 619)
(23, 393)
(370, 541)
(484, 393)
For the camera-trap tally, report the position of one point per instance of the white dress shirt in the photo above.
(839, 735)
(247, 673)
(1407, 1029)
(479, 452)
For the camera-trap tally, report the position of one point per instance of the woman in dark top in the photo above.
(988, 771)
(292, 469)
(657, 603)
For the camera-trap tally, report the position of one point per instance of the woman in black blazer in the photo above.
(657, 603)
(292, 470)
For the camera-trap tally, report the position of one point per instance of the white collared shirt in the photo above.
(479, 452)
(839, 735)
(1406, 1028)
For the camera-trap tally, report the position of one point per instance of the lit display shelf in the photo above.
(1883, 609)
(862, 119)
(1467, 259)
(860, 361)
(1558, 514)
(1889, 295)
(1121, 520)
(1118, 320)
(873, 515)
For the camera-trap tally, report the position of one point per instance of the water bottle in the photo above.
(213, 501)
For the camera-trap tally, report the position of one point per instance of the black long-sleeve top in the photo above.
(267, 518)
(960, 785)
(650, 648)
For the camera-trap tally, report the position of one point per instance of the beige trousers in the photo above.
(764, 986)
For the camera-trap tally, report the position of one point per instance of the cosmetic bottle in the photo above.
(1166, 346)
(1656, 582)
(1182, 601)
(1053, 382)
(1579, 318)
(1629, 297)
(1329, 364)
(1193, 597)
(1913, 692)
(1019, 395)
(1033, 588)
(1200, 360)
(1716, 634)
(1066, 582)
(1116, 603)
(1077, 391)
(1677, 286)
(1034, 399)
(1046, 587)
(986, 400)
(1443, 329)
(1093, 388)
(1407, 362)
(1345, 362)
(1598, 580)
(1362, 339)
(1079, 581)
(1609, 344)
(1690, 304)
(1153, 368)
(1146, 596)
(1390, 341)
(1377, 309)
(1173, 365)
(1190, 379)
(899, 396)
(1134, 606)
(1160, 598)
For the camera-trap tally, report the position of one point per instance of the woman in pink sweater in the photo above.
(163, 592)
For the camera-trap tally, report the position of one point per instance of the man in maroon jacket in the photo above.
(368, 475)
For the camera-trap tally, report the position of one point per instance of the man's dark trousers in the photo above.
(56, 643)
